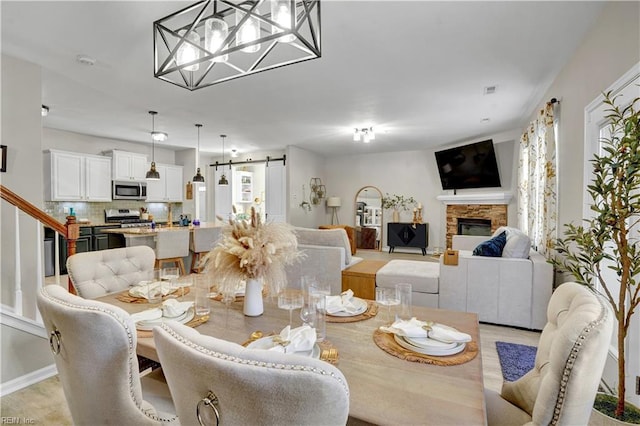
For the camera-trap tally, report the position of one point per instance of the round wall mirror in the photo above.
(368, 220)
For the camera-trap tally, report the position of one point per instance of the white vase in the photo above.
(253, 306)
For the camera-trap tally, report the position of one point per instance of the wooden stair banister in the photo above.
(70, 230)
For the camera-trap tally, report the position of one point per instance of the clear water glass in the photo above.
(170, 275)
(290, 299)
(387, 296)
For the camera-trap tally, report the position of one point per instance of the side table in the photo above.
(361, 278)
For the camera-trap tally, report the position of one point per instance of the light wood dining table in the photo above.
(384, 389)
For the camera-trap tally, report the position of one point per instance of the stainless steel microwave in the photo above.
(123, 190)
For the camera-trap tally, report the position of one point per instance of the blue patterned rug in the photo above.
(515, 360)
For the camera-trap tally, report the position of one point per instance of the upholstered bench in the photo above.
(423, 277)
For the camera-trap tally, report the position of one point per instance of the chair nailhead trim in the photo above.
(263, 364)
(568, 368)
(131, 350)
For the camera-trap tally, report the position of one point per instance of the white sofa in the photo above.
(501, 290)
(326, 253)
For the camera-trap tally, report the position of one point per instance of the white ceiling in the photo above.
(414, 70)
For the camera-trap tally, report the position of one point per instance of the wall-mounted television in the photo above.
(468, 166)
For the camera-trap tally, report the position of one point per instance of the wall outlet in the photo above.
(65, 210)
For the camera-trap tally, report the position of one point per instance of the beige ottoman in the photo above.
(423, 277)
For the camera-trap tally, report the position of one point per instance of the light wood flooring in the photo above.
(44, 402)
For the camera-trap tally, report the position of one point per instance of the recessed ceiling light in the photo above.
(490, 90)
(85, 60)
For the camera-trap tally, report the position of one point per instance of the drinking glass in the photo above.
(290, 299)
(202, 296)
(170, 275)
(387, 297)
(188, 281)
(307, 284)
(403, 291)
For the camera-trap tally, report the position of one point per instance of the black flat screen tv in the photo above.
(468, 166)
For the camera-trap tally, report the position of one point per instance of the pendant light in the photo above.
(223, 179)
(153, 174)
(198, 177)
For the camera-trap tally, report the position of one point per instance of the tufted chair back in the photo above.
(572, 351)
(247, 386)
(94, 347)
(97, 273)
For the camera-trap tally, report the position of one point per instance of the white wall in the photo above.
(302, 165)
(21, 131)
(409, 173)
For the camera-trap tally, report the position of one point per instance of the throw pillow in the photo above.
(518, 243)
(492, 247)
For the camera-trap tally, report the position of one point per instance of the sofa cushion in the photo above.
(518, 243)
(325, 237)
(351, 234)
(423, 276)
(492, 247)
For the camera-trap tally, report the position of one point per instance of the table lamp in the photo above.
(334, 203)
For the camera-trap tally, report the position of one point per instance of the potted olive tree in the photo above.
(608, 241)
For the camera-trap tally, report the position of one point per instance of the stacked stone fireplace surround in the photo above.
(497, 213)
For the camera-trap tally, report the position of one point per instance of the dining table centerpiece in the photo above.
(255, 253)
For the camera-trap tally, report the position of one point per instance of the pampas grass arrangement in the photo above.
(251, 249)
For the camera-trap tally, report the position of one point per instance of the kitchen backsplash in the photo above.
(94, 212)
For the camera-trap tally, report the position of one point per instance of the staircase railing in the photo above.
(69, 230)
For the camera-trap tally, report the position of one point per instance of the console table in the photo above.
(408, 235)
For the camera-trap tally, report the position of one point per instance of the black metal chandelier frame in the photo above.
(171, 33)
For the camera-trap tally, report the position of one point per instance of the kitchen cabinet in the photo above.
(128, 165)
(168, 188)
(243, 187)
(71, 176)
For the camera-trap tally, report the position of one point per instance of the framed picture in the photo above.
(3, 155)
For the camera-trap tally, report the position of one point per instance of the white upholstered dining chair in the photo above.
(97, 273)
(201, 242)
(94, 348)
(171, 246)
(209, 377)
(573, 346)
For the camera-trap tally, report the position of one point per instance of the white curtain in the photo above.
(538, 182)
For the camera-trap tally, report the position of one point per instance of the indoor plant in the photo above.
(608, 241)
(253, 252)
(397, 202)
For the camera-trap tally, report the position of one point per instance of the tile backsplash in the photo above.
(94, 212)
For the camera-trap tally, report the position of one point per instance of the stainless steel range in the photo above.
(127, 218)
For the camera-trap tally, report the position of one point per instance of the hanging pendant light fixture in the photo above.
(198, 177)
(213, 41)
(153, 174)
(223, 179)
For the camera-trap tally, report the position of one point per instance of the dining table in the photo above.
(384, 389)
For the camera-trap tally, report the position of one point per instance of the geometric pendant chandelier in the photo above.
(214, 41)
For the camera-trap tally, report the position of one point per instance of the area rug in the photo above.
(515, 359)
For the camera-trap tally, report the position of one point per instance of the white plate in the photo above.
(148, 325)
(429, 351)
(426, 343)
(360, 304)
(268, 343)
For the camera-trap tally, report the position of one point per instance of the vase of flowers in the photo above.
(397, 203)
(253, 252)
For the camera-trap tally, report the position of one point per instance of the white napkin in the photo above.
(142, 289)
(341, 303)
(171, 308)
(300, 339)
(147, 315)
(414, 328)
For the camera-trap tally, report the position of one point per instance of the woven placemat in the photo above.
(218, 298)
(127, 298)
(328, 352)
(387, 343)
(196, 321)
(372, 311)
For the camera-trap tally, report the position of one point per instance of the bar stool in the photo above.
(171, 246)
(202, 241)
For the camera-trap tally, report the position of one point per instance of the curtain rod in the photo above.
(250, 161)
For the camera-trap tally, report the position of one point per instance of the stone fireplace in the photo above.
(474, 209)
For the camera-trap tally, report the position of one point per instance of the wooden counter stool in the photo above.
(171, 246)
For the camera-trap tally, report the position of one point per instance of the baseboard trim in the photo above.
(27, 380)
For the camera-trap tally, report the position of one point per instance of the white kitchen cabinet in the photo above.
(71, 176)
(168, 188)
(128, 165)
